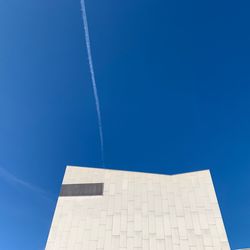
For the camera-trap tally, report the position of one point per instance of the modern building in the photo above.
(102, 209)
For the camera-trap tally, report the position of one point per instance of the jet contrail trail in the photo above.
(92, 73)
(13, 179)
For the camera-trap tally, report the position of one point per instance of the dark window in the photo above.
(89, 189)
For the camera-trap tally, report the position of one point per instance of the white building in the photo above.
(102, 209)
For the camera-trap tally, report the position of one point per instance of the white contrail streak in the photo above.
(14, 180)
(92, 73)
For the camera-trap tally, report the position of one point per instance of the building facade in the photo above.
(102, 209)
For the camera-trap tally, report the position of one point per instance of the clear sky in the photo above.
(174, 85)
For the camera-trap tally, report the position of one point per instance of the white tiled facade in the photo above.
(139, 211)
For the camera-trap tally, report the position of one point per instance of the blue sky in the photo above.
(173, 81)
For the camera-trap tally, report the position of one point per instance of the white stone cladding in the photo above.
(139, 211)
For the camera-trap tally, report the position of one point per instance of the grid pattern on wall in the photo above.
(139, 211)
(86, 189)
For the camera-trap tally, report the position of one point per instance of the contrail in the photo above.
(14, 180)
(92, 73)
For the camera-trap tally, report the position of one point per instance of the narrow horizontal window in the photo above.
(88, 189)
